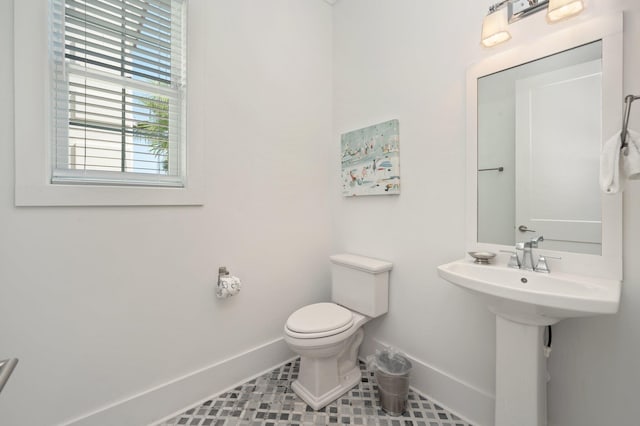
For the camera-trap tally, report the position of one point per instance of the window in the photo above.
(118, 92)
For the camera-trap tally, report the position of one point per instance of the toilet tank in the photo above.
(360, 283)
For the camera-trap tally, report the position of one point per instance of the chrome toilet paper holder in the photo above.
(222, 272)
(228, 285)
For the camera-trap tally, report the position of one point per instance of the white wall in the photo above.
(407, 59)
(100, 304)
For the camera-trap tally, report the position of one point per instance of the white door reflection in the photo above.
(558, 130)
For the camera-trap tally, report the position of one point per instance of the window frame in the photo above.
(33, 132)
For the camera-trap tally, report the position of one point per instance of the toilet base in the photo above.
(347, 381)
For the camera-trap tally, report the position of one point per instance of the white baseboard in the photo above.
(471, 404)
(175, 396)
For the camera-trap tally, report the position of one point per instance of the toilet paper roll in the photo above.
(228, 286)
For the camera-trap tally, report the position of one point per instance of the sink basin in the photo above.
(532, 297)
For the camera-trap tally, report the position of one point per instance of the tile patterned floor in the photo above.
(269, 401)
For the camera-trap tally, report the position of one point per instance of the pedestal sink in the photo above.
(524, 302)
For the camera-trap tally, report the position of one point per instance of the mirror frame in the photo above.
(609, 30)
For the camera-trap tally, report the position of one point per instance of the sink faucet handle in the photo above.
(542, 265)
(534, 241)
(514, 260)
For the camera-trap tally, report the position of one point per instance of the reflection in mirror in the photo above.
(541, 123)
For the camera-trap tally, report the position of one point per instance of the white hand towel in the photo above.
(610, 165)
(631, 161)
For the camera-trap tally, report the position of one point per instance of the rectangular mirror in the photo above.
(534, 121)
(537, 117)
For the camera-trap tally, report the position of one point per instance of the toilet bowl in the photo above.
(327, 336)
(328, 351)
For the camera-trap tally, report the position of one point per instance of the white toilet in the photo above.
(327, 336)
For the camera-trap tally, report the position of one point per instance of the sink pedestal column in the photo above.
(521, 374)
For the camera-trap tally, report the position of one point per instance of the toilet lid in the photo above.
(320, 318)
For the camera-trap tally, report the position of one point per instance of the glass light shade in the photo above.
(494, 28)
(563, 9)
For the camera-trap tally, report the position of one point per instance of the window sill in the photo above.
(102, 195)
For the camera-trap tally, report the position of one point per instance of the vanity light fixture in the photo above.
(563, 9)
(495, 25)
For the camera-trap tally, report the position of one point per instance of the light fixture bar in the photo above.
(497, 6)
(495, 26)
(519, 9)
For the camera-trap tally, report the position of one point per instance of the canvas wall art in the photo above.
(371, 160)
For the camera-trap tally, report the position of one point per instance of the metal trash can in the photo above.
(392, 376)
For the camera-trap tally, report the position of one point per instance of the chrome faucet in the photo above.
(525, 261)
(527, 253)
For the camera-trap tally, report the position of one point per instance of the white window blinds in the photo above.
(118, 92)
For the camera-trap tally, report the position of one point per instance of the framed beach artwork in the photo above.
(371, 160)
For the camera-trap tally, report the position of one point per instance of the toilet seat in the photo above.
(319, 320)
